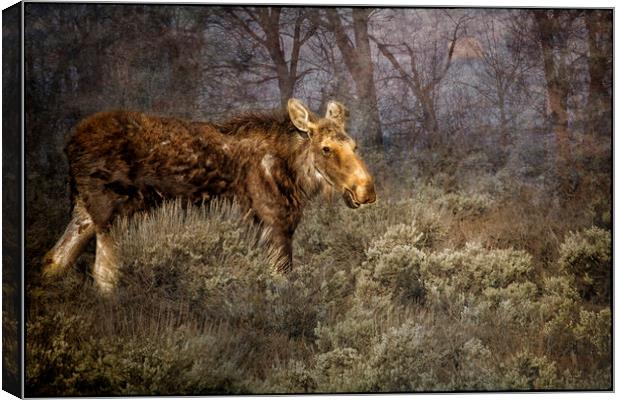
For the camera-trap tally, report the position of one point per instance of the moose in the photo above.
(271, 164)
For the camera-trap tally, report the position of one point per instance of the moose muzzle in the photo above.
(359, 194)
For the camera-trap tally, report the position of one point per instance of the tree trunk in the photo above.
(598, 25)
(503, 122)
(429, 119)
(358, 60)
(557, 87)
(364, 78)
(424, 94)
(270, 23)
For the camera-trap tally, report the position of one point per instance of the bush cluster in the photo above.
(381, 300)
(586, 256)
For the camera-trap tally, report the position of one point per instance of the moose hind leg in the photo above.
(77, 234)
(105, 270)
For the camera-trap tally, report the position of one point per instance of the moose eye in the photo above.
(326, 150)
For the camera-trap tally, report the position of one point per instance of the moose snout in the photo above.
(365, 194)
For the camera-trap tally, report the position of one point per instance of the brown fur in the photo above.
(122, 162)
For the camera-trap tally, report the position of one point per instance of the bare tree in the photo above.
(502, 70)
(330, 73)
(424, 69)
(552, 28)
(271, 28)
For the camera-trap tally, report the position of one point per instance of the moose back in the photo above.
(271, 164)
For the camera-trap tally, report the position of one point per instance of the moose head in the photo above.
(335, 156)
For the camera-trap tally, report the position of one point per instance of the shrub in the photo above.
(356, 330)
(395, 235)
(557, 311)
(526, 371)
(587, 256)
(295, 377)
(393, 265)
(516, 305)
(381, 299)
(72, 364)
(334, 235)
(595, 328)
(473, 269)
(340, 370)
(405, 359)
(52, 356)
(420, 357)
(333, 226)
(476, 370)
(466, 205)
(211, 261)
(397, 273)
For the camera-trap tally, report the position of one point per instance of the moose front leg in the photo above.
(105, 270)
(283, 242)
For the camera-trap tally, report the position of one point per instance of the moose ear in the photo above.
(337, 112)
(299, 114)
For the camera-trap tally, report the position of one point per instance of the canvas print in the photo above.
(287, 200)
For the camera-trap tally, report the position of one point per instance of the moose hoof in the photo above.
(105, 277)
(51, 268)
(104, 287)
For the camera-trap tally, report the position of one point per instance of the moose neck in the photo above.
(301, 161)
(286, 142)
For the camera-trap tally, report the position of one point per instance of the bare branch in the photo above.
(248, 29)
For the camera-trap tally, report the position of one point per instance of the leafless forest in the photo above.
(485, 264)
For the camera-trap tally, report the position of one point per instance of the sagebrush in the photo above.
(386, 298)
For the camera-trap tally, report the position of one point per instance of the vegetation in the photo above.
(385, 298)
